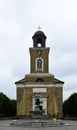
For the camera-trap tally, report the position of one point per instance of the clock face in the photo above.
(39, 52)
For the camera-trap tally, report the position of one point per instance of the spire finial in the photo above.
(39, 27)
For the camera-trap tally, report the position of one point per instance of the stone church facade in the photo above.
(39, 81)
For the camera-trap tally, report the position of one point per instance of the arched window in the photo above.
(39, 80)
(39, 64)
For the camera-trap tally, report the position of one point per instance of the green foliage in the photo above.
(7, 106)
(70, 106)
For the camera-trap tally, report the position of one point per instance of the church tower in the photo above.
(39, 54)
(39, 81)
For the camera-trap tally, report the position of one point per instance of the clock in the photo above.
(39, 52)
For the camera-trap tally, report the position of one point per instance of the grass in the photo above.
(70, 118)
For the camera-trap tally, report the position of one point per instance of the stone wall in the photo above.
(24, 100)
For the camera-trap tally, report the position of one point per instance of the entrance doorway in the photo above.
(42, 106)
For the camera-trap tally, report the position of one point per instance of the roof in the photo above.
(22, 81)
(37, 33)
(57, 81)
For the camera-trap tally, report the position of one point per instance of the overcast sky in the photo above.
(19, 20)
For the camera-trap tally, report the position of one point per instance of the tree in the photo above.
(7, 106)
(70, 105)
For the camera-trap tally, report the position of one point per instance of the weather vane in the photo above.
(39, 27)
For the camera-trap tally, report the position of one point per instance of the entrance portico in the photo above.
(43, 104)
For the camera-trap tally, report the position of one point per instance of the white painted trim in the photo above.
(20, 86)
(40, 85)
(39, 74)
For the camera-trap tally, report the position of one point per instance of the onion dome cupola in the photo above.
(39, 39)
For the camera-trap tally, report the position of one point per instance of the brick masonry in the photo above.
(53, 95)
(53, 86)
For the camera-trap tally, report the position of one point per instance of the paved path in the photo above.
(4, 125)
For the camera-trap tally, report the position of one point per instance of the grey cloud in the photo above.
(19, 21)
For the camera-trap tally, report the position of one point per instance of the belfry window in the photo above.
(39, 42)
(39, 64)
